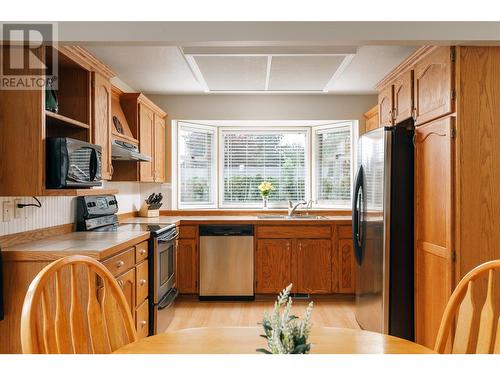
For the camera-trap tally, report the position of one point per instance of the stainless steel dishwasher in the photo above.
(226, 262)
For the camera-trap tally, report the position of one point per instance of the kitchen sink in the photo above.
(294, 217)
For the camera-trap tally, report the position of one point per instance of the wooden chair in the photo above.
(53, 320)
(462, 305)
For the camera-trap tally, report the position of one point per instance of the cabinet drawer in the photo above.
(141, 251)
(294, 231)
(141, 277)
(121, 262)
(344, 231)
(142, 320)
(187, 231)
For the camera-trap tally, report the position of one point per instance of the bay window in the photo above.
(221, 166)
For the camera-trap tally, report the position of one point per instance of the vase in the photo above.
(265, 202)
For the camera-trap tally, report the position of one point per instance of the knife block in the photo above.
(144, 212)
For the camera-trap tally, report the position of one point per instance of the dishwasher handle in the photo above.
(226, 230)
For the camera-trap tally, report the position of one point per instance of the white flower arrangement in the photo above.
(285, 332)
(265, 188)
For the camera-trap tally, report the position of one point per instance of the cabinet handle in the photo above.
(142, 282)
(111, 169)
(142, 252)
(120, 264)
(143, 323)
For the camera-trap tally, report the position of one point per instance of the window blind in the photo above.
(251, 157)
(196, 148)
(333, 166)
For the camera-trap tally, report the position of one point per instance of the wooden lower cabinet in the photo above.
(141, 279)
(127, 284)
(187, 266)
(433, 227)
(346, 273)
(142, 320)
(272, 265)
(313, 266)
(131, 270)
(310, 257)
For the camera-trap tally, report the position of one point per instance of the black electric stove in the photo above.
(98, 213)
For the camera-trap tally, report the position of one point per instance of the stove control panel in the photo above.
(94, 211)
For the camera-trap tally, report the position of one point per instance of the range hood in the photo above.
(121, 150)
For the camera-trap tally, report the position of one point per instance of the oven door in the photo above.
(165, 265)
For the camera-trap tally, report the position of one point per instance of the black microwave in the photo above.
(71, 163)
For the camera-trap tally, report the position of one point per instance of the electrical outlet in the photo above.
(18, 212)
(7, 211)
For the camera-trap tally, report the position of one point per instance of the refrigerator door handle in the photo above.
(356, 215)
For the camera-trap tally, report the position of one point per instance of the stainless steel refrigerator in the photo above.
(383, 231)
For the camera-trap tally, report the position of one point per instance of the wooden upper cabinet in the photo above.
(160, 149)
(101, 128)
(433, 226)
(403, 97)
(273, 265)
(434, 85)
(146, 142)
(313, 266)
(385, 106)
(371, 119)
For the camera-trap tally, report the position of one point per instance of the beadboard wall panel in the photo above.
(62, 210)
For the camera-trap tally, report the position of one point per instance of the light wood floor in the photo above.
(191, 314)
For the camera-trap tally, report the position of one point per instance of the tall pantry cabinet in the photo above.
(456, 109)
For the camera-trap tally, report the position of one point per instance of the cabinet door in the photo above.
(403, 97)
(142, 320)
(159, 154)
(141, 280)
(434, 85)
(127, 284)
(146, 142)
(371, 120)
(187, 266)
(313, 259)
(433, 227)
(346, 270)
(385, 106)
(273, 265)
(101, 125)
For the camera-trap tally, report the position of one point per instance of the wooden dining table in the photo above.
(245, 340)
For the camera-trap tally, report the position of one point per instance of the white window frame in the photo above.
(353, 135)
(252, 126)
(262, 130)
(190, 125)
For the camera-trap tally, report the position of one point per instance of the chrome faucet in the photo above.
(292, 208)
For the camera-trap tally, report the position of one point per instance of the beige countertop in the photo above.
(98, 245)
(212, 219)
(101, 245)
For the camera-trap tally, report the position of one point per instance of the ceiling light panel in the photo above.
(233, 73)
(302, 73)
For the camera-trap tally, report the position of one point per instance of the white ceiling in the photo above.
(165, 70)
